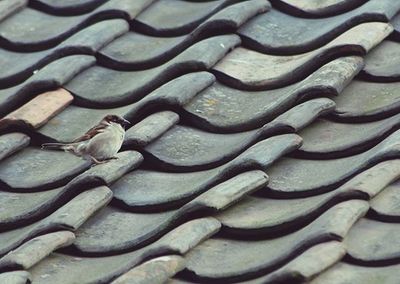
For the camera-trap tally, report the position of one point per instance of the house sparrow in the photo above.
(100, 143)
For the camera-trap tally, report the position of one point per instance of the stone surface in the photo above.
(70, 269)
(299, 177)
(19, 66)
(9, 7)
(278, 33)
(155, 271)
(249, 70)
(33, 251)
(15, 277)
(381, 64)
(51, 77)
(367, 101)
(32, 30)
(184, 148)
(329, 139)
(74, 121)
(42, 108)
(155, 189)
(11, 143)
(133, 230)
(221, 109)
(243, 260)
(150, 128)
(72, 215)
(28, 170)
(92, 87)
(386, 205)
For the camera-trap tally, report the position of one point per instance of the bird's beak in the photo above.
(126, 122)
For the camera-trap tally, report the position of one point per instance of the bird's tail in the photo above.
(55, 146)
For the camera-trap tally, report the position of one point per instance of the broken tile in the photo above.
(92, 87)
(386, 205)
(36, 249)
(373, 242)
(278, 33)
(165, 189)
(187, 148)
(329, 139)
(33, 30)
(42, 108)
(344, 273)
(220, 108)
(130, 52)
(15, 277)
(381, 64)
(20, 66)
(243, 259)
(316, 8)
(70, 216)
(59, 268)
(131, 230)
(150, 128)
(28, 170)
(51, 77)
(11, 143)
(70, 8)
(155, 271)
(249, 70)
(364, 101)
(74, 121)
(256, 216)
(299, 177)
(154, 21)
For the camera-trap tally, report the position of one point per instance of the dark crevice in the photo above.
(384, 112)
(78, 9)
(364, 76)
(371, 263)
(377, 216)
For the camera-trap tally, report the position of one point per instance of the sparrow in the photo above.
(100, 143)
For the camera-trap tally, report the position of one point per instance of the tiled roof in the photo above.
(265, 145)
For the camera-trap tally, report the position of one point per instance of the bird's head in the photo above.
(112, 118)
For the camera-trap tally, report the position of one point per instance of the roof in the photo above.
(264, 147)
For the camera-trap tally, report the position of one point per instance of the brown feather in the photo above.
(91, 132)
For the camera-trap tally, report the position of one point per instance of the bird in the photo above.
(100, 143)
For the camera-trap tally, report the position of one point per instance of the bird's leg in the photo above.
(97, 162)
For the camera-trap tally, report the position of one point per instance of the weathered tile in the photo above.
(246, 69)
(220, 108)
(182, 16)
(187, 148)
(15, 277)
(65, 8)
(70, 216)
(9, 7)
(316, 8)
(155, 271)
(19, 66)
(364, 101)
(299, 177)
(131, 230)
(386, 205)
(11, 143)
(75, 121)
(373, 242)
(306, 266)
(381, 64)
(51, 77)
(278, 33)
(257, 216)
(165, 189)
(344, 273)
(28, 170)
(92, 87)
(32, 30)
(36, 249)
(42, 108)
(150, 128)
(131, 52)
(59, 268)
(329, 139)
(244, 259)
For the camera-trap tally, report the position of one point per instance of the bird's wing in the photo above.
(91, 133)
